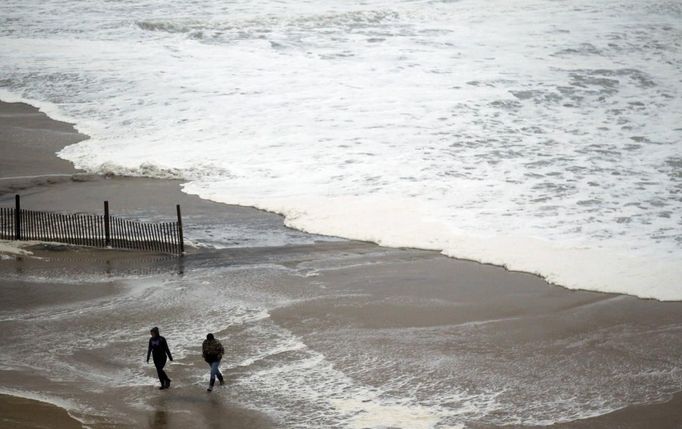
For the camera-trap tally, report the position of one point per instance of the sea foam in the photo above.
(537, 135)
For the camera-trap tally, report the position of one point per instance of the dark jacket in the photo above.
(212, 350)
(158, 348)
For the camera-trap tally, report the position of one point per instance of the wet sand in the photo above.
(26, 413)
(389, 320)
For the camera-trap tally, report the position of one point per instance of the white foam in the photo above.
(394, 222)
(529, 134)
(376, 415)
(14, 248)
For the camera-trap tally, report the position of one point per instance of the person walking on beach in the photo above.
(158, 348)
(212, 351)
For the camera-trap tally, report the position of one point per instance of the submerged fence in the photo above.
(91, 229)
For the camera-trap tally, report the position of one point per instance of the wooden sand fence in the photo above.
(91, 229)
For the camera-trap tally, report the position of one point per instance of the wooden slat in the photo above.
(75, 221)
(95, 231)
(157, 237)
(174, 236)
(152, 238)
(87, 226)
(142, 237)
(48, 225)
(26, 220)
(25, 225)
(37, 217)
(9, 223)
(56, 231)
(89, 230)
(41, 228)
(31, 224)
(146, 234)
(128, 234)
(28, 225)
(169, 246)
(34, 224)
(150, 231)
(55, 226)
(81, 230)
(72, 230)
(116, 232)
(85, 222)
(112, 233)
(63, 230)
(61, 226)
(123, 233)
(132, 234)
(67, 229)
(164, 245)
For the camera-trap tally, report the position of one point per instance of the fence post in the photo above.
(17, 218)
(180, 238)
(107, 231)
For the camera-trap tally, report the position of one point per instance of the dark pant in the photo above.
(163, 378)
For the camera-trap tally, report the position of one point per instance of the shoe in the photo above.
(210, 389)
(163, 387)
(168, 383)
(222, 382)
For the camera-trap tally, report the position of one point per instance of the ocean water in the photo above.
(540, 135)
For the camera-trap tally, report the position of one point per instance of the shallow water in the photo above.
(335, 335)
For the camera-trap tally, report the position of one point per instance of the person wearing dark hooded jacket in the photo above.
(158, 349)
(212, 351)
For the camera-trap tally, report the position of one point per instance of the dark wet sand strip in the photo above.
(21, 413)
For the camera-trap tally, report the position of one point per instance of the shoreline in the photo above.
(551, 273)
(27, 182)
(530, 295)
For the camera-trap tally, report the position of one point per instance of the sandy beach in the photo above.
(319, 332)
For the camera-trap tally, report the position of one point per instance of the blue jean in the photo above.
(215, 372)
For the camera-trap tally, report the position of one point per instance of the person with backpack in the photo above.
(212, 351)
